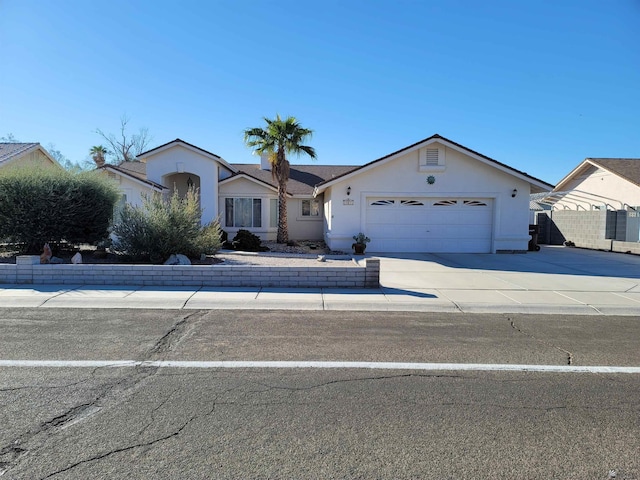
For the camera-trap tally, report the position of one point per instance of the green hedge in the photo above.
(52, 205)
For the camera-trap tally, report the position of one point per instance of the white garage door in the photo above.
(429, 224)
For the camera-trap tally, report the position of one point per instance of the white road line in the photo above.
(478, 367)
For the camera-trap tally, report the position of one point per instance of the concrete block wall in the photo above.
(28, 270)
(7, 273)
(625, 247)
(586, 229)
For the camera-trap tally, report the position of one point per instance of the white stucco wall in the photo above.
(461, 177)
(600, 182)
(163, 164)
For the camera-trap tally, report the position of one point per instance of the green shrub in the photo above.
(55, 206)
(247, 242)
(162, 226)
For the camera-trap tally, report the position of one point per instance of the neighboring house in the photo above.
(596, 205)
(25, 154)
(432, 196)
(599, 183)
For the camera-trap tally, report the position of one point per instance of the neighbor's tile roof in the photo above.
(627, 168)
(135, 170)
(302, 178)
(10, 150)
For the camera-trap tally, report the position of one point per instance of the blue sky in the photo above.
(539, 85)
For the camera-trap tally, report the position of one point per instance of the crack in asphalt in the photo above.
(8, 457)
(119, 389)
(175, 335)
(175, 433)
(350, 380)
(570, 355)
(152, 414)
(122, 449)
(42, 387)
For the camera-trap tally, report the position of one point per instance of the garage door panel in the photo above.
(429, 225)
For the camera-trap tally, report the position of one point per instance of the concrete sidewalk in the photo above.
(554, 280)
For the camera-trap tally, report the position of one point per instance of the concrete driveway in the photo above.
(556, 277)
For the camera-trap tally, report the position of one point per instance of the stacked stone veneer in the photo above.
(28, 270)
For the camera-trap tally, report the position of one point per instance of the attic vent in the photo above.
(432, 157)
(111, 175)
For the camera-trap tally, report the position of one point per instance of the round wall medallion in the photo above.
(431, 179)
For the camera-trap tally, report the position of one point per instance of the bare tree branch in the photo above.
(126, 147)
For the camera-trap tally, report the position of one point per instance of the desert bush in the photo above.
(247, 242)
(162, 226)
(55, 206)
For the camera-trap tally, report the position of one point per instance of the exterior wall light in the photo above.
(190, 183)
(348, 190)
(514, 193)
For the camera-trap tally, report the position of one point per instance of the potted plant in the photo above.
(360, 244)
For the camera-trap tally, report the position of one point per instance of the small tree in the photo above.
(98, 154)
(162, 226)
(278, 139)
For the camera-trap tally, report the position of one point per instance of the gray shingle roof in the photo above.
(11, 150)
(302, 178)
(627, 168)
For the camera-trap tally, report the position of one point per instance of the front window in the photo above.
(243, 212)
(310, 208)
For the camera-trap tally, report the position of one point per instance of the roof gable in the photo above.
(626, 168)
(13, 151)
(243, 175)
(181, 143)
(536, 183)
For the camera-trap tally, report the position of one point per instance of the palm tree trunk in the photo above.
(283, 231)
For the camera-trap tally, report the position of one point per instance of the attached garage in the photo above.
(439, 225)
(433, 196)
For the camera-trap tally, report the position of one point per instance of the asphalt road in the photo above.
(150, 422)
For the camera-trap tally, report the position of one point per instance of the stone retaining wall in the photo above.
(28, 270)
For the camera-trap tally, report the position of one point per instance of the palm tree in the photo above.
(98, 153)
(277, 140)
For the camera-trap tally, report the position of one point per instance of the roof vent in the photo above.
(432, 157)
